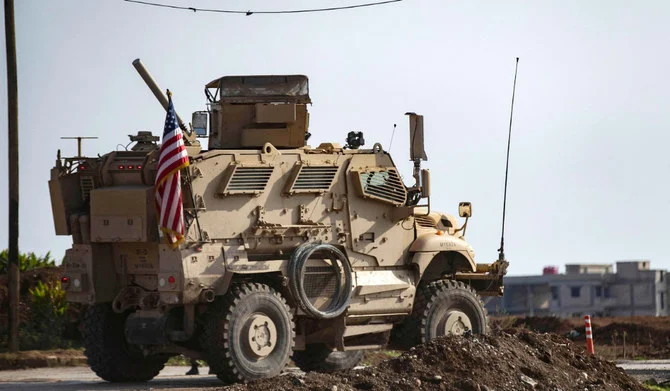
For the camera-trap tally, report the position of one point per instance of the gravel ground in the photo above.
(511, 360)
(172, 378)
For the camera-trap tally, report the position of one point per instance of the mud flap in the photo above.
(146, 330)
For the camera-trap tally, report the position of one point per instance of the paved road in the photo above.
(173, 378)
(643, 370)
(83, 379)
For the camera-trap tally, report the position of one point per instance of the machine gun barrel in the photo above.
(158, 93)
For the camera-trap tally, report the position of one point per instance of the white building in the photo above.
(595, 289)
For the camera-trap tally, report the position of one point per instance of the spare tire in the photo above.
(338, 278)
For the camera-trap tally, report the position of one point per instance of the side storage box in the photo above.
(123, 214)
(66, 199)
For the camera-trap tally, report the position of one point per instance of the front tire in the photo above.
(249, 334)
(108, 353)
(318, 357)
(451, 308)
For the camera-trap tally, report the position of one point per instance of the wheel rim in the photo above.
(455, 322)
(261, 335)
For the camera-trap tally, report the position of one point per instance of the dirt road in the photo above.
(173, 378)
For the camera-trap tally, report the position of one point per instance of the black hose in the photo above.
(296, 268)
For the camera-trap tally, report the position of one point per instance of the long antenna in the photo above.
(392, 134)
(501, 250)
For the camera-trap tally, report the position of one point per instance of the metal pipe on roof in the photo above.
(153, 86)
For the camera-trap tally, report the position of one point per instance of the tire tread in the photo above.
(217, 344)
(106, 354)
(432, 294)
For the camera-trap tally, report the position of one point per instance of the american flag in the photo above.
(173, 158)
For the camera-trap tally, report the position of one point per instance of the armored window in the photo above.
(311, 179)
(381, 184)
(575, 291)
(245, 180)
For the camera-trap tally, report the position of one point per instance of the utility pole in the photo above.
(13, 166)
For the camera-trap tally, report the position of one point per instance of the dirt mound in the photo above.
(516, 359)
(641, 340)
(545, 324)
(635, 333)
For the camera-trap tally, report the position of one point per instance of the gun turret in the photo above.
(144, 141)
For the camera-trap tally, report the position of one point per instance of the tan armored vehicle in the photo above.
(314, 253)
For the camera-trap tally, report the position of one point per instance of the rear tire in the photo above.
(108, 353)
(318, 357)
(249, 334)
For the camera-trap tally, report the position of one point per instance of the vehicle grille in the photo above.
(313, 179)
(86, 184)
(425, 221)
(248, 180)
(320, 284)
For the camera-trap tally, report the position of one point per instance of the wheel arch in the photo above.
(443, 249)
(273, 278)
(432, 265)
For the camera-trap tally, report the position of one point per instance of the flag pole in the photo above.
(190, 187)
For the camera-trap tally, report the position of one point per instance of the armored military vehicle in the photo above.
(314, 253)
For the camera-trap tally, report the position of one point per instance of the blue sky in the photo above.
(589, 165)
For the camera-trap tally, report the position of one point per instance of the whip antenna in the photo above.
(501, 250)
(392, 134)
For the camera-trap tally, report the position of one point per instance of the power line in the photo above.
(248, 13)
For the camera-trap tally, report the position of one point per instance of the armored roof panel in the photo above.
(262, 88)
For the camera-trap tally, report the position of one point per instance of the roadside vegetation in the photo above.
(46, 320)
(27, 262)
(651, 384)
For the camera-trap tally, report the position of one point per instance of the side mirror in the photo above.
(416, 147)
(199, 121)
(465, 209)
(425, 183)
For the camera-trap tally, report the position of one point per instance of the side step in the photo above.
(364, 347)
(366, 337)
(352, 330)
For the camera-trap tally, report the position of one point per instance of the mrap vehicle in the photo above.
(313, 254)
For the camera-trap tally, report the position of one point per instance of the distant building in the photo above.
(595, 289)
